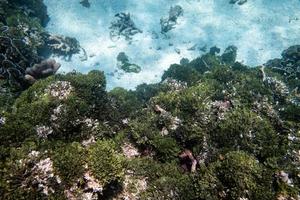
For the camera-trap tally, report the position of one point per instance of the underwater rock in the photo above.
(123, 26)
(42, 70)
(170, 22)
(203, 48)
(192, 48)
(85, 3)
(125, 65)
(177, 50)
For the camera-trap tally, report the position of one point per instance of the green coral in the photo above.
(105, 163)
(245, 130)
(69, 161)
(238, 132)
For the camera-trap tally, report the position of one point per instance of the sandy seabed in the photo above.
(261, 29)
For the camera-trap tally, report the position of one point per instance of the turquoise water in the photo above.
(261, 29)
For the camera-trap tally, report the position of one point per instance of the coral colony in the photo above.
(212, 128)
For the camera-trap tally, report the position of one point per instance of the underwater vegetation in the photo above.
(212, 128)
(25, 46)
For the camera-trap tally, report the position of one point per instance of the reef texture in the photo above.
(123, 26)
(213, 128)
(124, 64)
(170, 22)
(24, 43)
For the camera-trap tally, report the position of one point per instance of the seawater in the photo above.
(261, 29)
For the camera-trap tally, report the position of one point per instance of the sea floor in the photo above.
(261, 29)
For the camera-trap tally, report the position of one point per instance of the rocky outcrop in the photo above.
(130, 151)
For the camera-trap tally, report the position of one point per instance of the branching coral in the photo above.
(12, 61)
(289, 64)
(61, 45)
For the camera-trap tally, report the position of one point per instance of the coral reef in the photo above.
(25, 45)
(213, 128)
(125, 65)
(42, 70)
(170, 22)
(61, 45)
(289, 64)
(15, 57)
(123, 26)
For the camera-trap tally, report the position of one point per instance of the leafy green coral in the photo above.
(227, 133)
(106, 164)
(245, 130)
(69, 162)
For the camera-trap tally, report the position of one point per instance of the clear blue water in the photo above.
(261, 29)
